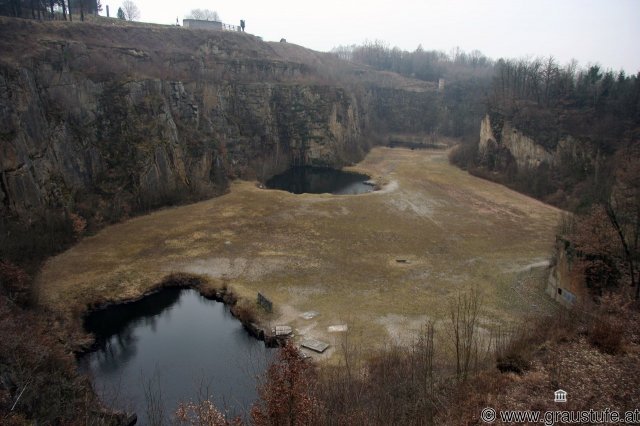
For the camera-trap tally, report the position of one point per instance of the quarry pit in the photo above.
(381, 263)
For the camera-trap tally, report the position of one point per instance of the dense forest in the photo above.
(540, 96)
(49, 9)
(547, 102)
(466, 77)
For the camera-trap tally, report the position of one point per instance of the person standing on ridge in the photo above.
(242, 24)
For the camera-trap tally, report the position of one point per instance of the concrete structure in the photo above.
(563, 286)
(314, 345)
(281, 330)
(266, 304)
(199, 24)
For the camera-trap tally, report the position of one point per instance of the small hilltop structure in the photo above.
(204, 24)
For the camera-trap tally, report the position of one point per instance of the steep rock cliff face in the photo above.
(523, 149)
(108, 120)
(501, 144)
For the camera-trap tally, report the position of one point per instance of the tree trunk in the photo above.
(627, 253)
(16, 9)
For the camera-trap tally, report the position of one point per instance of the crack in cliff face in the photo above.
(4, 193)
(15, 169)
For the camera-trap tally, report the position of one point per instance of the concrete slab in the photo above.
(340, 328)
(314, 345)
(282, 330)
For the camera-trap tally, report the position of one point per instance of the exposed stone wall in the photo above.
(108, 128)
(525, 151)
(499, 139)
(564, 286)
(199, 24)
(151, 140)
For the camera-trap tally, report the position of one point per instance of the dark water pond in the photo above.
(413, 145)
(319, 180)
(176, 341)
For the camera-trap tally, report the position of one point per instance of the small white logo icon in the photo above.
(560, 396)
(488, 415)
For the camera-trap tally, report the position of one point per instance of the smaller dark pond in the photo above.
(413, 145)
(320, 180)
(177, 344)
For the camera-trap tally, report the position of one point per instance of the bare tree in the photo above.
(623, 210)
(344, 52)
(464, 314)
(154, 399)
(204, 15)
(423, 354)
(131, 11)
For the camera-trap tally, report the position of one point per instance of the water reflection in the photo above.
(181, 340)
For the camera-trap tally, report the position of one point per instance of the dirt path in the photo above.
(337, 255)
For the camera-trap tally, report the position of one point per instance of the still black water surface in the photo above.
(319, 180)
(179, 342)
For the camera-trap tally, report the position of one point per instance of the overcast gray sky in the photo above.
(603, 31)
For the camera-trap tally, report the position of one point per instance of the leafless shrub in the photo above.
(464, 313)
(203, 413)
(154, 400)
(14, 282)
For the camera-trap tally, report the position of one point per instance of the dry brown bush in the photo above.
(229, 296)
(38, 374)
(203, 413)
(288, 394)
(244, 311)
(14, 282)
(606, 335)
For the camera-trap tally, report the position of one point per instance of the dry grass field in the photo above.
(337, 255)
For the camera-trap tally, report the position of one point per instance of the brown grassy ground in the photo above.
(331, 254)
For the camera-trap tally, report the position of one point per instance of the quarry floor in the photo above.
(336, 255)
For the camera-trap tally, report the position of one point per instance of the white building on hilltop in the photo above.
(201, 24)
